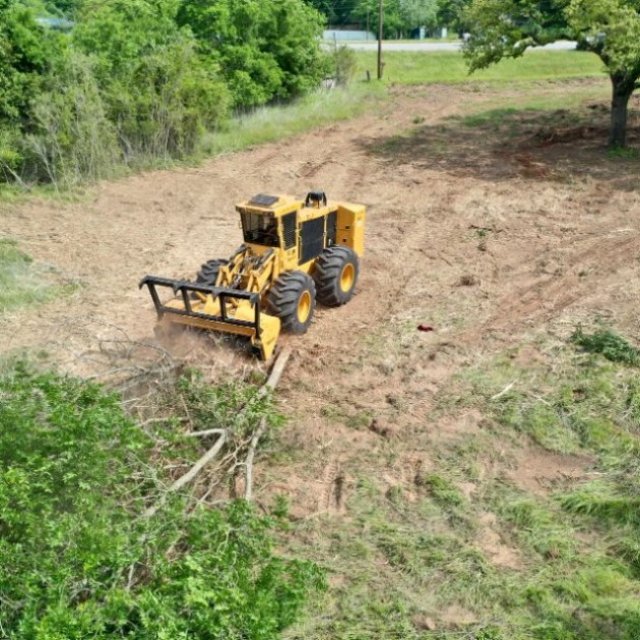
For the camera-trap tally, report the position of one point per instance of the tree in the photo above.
(26, 51)
(401, 17)
(451, 14)
(158, 90)
(337, 12)
(609, 28)
(266, 50)
(419, 13)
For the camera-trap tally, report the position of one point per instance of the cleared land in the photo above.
(444, 478)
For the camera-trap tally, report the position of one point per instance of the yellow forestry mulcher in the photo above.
(294, 253)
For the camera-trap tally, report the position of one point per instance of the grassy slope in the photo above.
(466, 546)
(324, 107)
(464, 549)
(278, 122)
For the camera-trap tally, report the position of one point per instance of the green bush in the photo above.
(79, 560)
(158, 92)
(266, 50)
(72, 138)
(612, 346)
(139, 80)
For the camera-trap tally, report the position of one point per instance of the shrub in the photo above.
(158, 92)
(77, 558)
(345, 64)
(266, 50)
(72, 138)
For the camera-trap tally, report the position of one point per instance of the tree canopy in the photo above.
(401, 17)
(608, 28)
(265, 50)
(141, 79)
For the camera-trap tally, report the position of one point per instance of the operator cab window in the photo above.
(260, 229)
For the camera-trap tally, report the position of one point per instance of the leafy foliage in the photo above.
(78, 560)
(608, 28)
(25, 54)
(401, 17)
(265, 50)
(142, 79)
(612, 346)
(451, 13)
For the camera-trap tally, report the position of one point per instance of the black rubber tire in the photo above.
(285, 296)
(208, 273)
(328, 272)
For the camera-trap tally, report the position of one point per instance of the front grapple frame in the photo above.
(260, 328)
(184, 287)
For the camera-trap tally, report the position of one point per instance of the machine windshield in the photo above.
(260, 229)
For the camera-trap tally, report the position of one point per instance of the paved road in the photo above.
(561, 45)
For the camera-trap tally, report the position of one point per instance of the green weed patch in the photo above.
(612, 346)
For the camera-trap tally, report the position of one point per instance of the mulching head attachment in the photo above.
(216, 309)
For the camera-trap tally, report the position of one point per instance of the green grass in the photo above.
(22, 282)
(404, 67)
(411, 561)
(280, 122)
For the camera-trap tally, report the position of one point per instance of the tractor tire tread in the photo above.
(208, 273)
(282, 300)
(327, 272)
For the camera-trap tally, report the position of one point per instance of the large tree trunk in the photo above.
(622, 90)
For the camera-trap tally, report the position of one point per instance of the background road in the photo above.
(372, 45)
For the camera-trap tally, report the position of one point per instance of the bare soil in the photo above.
(487, 235)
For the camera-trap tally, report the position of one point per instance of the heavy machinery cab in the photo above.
(301, 229)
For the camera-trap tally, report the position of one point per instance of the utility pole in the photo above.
(380, 23)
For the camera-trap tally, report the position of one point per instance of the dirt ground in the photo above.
(488, 234)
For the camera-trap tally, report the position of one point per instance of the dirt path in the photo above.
(485, 239)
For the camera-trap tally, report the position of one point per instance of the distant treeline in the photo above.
(128, 81)
(402, 18)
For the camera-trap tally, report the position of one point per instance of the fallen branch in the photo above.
(190, 475)
(272, 381)
(504, 391)
(274, 378)
(276, 372)
(206, 432)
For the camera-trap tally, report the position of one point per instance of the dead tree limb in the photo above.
(274, 378)
(272, 381)
(206, 432)
(190, 475)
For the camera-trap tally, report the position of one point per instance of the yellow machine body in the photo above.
(281, 234)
